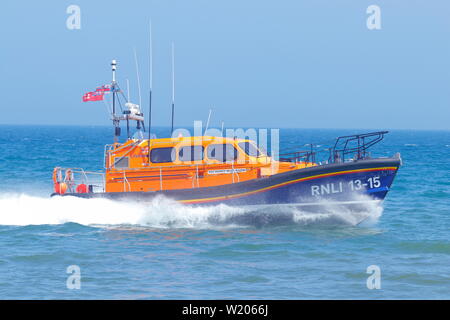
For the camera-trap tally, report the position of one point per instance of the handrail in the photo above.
(194, 174)
(256, 165)
(125, 180)
(71, 180)
(196, 177)
(132, 146)
(298, 156)
(341, 147)
(233, 172)
(107, 148)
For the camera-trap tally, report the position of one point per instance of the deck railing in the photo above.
(354, 147)
(346, 148)
(298, 156)
(126, 175)
(73, 177)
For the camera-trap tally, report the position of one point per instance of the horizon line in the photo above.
(231, 127)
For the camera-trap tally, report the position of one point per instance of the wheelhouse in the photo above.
(186, 162)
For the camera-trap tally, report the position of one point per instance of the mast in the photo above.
(137, 76)
(139, 87)
(116, 122)
(127, 118)
(128, 90)
(150, 93)
(173, 85)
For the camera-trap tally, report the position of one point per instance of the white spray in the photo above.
(23, 209)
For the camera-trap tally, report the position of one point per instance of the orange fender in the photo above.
(82, 188)
(60, 187)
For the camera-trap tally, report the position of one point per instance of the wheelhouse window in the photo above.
(222, 152)
(162, 155)
(122, 162)
(191, 153)
(250, 149)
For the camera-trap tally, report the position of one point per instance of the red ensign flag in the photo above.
(93, 96)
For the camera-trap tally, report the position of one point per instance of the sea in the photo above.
(71, 248)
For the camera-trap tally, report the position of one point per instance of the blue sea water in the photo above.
(163, 250)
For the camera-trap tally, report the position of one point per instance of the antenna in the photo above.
(173, 85)
(150, 93)
(128, 100)
(139, 91)
(137, 75)
(207, 122)
(128, 91)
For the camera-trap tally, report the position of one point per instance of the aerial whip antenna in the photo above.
(139, 89)
(127, 117)
(128, 91)
(137, 75)
(173, 85)
(207, 122)
(150, 93)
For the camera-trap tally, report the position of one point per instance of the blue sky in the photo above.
(288, 63)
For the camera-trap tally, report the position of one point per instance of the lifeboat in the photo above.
(209, 170)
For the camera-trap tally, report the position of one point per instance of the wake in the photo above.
(23, 209)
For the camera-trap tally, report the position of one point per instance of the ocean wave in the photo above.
(23, 209)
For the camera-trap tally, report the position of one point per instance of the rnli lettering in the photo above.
(328, 188)
(352, 185)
